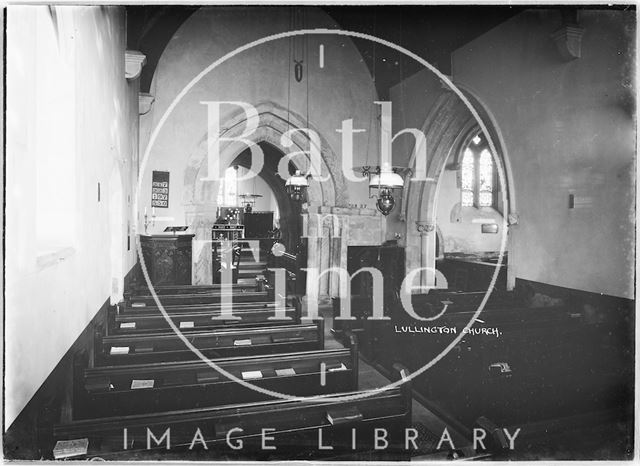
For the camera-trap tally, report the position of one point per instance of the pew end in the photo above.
(405, 388)
(352, 344)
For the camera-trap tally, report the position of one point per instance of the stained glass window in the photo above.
(468, 172)
(486, 179)
(477, 174)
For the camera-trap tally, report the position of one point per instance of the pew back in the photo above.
(146, 388)
(167, 346)
(128, 323)
(295, 425)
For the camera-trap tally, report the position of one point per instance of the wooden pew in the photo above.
(167, 346)
(198, 298)
(202, 319)
(424, 305)
(147, 388)
(208, 307)
(296, 427)
(143, 289)
(546, 363)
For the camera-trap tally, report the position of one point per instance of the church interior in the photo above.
(331, 232)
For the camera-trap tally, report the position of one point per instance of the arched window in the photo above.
(228, 192)
(477, 174)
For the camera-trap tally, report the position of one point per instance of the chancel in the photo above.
(314, 233)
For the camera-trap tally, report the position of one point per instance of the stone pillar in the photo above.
(201, 218)
(427, 234)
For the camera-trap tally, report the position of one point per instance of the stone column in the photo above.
(427, 234)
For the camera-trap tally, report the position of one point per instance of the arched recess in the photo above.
(289, 210)
(446, 125)
(199, 196)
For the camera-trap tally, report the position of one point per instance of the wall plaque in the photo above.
(160, 189)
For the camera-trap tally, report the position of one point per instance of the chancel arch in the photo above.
(274, 121)
(447, 128)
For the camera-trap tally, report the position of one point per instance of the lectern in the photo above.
(168, 258)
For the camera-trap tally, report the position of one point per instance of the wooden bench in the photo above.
(546, 363)
(167, 346)
(202, 319)
(198, 298)
(147, 388)
(296, 427)
(207, 307)
(143, 289)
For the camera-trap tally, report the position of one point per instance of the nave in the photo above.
(139, 378)
(140, 394)
(468, 225)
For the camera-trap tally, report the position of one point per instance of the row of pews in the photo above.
(143, 394)
(544, 370)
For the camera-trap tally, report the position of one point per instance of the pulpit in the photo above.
(167, 258)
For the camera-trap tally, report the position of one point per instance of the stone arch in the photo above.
(289, 210)
(439, 243)
(274, 122)
(445, 128)
(199, 196)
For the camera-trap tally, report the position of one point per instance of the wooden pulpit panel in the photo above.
(167, 258)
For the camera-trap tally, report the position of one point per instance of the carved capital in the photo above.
(568, 41)
(133, 63)
(513, 218)
(144, 103)
(425, 227)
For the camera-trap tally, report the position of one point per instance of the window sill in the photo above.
(52, 256)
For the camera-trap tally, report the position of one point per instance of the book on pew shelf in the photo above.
(344, 415)
(186, 324)
(336, 367)
(249, 375)
(208, 376)
(69, 448)
(138, 384)
(245, 342)
(285, 372)
(138, 305)
(127, 325)
(119, 350)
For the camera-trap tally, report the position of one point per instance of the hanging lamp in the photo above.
(384, 178)
(297, 184)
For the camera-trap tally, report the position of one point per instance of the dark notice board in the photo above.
(160, 189)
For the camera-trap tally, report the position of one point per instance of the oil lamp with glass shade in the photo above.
(383, 180)
(296, 186)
